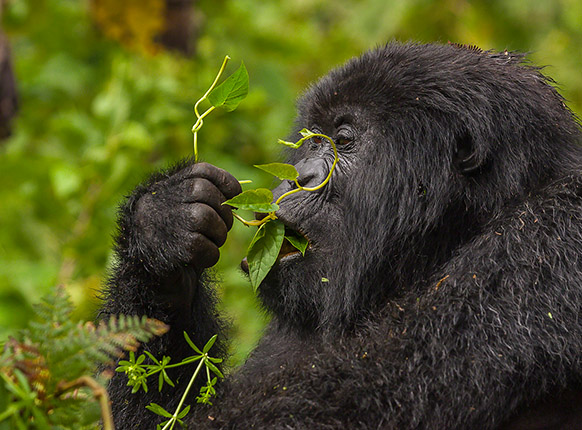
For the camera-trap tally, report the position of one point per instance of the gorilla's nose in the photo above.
(312, 171)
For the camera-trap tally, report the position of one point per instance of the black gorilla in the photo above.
(451, 236)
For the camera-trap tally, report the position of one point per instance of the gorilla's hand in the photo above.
(179, 220)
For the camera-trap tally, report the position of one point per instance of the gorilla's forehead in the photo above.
(406, 75)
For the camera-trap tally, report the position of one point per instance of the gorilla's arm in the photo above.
(469, 351)
(170, 230)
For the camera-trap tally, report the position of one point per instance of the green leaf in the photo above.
(259, 200)
(232, 91)
(167, 379)
(280, 170)
(194, 347)
(214, 369)
(183, 412)
(154, 359)
(298, 241)
(258, 235)
(160, 381)
(158, 410)
(209, 344)
(286, 143)
(263, 251)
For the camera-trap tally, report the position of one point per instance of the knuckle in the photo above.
(204, 168)
(207, 221)
(200, 213)
(203, 188)
(234, 187)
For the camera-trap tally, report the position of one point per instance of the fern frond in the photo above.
(54, 351)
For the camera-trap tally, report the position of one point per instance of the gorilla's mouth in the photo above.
(288, 250)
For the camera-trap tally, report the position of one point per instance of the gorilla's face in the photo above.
(300, 288)
(377, 197)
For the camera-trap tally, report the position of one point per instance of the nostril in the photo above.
(304, 179)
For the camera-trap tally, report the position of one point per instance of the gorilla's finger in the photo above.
(200, 190)
(226, 183)
(205, 220)
(204, 253)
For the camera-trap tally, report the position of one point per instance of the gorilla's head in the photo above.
(433, 141)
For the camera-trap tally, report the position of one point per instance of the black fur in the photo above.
(451, 236)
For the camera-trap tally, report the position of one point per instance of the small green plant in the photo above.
(138, 372)
(47, 371)
(268, 240)
(227, 95)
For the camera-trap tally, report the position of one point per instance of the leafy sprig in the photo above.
(227, 95)
(266, 245)
(138, 372)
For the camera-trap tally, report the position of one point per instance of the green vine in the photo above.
(268, 240)
(266, 245)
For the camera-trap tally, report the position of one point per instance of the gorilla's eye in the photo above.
(345, 135)
(317, 139)
(343, 140)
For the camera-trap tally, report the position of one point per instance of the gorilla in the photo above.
(442, 285)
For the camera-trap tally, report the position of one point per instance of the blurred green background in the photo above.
(106, 90)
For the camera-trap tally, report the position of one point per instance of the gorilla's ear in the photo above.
(466, 158)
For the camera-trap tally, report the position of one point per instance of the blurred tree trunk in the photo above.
(8, 99)
(180, 27)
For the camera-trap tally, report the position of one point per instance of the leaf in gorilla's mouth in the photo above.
(293, 243)
(272, 242)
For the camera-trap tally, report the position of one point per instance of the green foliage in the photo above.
(227, 95)
(297, 241)
(265, 247)
(138, 371)
(46, 371)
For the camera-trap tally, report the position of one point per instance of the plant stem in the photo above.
(170, 424)
(199, 117)
(182, 363)
(99, 393)
(257, 222)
